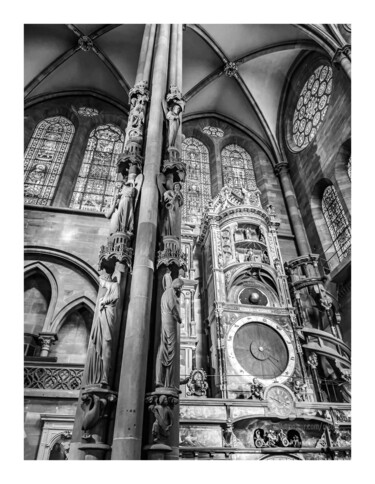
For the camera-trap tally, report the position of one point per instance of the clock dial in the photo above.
(280, 401)
(260, 350)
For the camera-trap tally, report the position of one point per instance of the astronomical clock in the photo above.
(251, 316)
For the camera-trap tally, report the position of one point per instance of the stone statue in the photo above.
(165, 360)
(163, 419)
(299, 389)
(124, 202)
(173, 116)
(256, 390)
(100, 346)
(172, 199)
(250, 255)
(167, 279)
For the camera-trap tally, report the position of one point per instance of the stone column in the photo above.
(73, 163)
(127, 440)
(46, 340)
(97, 398)
(281, 170)
(342, 58)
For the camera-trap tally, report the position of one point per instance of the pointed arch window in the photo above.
(337, 222)
(44, 159)
(197, 186)
(238, 171)
(97, 177)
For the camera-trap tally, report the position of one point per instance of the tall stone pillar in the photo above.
(97, 396)
(342, 58)
(281, 170)
(171, 263)
(127, 439)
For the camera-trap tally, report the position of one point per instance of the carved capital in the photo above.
(46, 340)
(231, 69)
(281, 166)
(171, 254)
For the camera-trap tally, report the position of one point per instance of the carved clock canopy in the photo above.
(259, 347)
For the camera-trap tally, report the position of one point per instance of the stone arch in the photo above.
(74, 304)
(39, 267)
(76, 317)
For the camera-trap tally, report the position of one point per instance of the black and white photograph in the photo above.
(187, 242)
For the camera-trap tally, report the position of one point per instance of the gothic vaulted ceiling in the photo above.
(56, 60)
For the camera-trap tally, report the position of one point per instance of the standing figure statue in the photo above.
(163, 419)
(124, 202)
(172, 200)
(173, 116)
(100, 346)
(256, 390)
(166, 357)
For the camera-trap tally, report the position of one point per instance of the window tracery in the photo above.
(214, 132)
(97, 177)
(311, 108)
(238, 171)
(44, 159)
(197, 186)
(337, 222)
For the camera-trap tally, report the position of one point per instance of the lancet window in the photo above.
(44, 159)
(197, 186)
(97, 177)
(337, 222)
(238, 171)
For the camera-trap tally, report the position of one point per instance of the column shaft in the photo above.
(294, 213)
(143, 54)
(127, 439)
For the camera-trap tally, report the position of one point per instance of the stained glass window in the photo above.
(44, 159)
(197, 186)
(312, 106)
(214, 132)
(97, 177)
(337, 222)
(349, 167)
(238, 171)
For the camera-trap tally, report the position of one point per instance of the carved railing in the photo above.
(53, 377)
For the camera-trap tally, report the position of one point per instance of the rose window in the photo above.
(311, 108)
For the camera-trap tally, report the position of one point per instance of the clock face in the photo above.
(280, 400)
(260, 350)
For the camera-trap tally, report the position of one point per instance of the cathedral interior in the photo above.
(187, 267)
